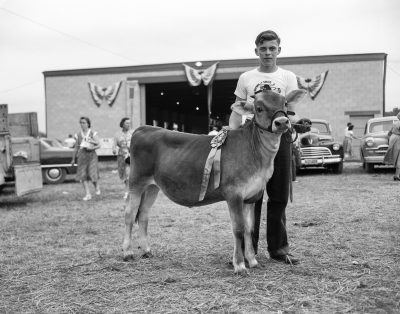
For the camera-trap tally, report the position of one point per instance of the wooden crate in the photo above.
(3, 118)
(23, 124)
(28, 178)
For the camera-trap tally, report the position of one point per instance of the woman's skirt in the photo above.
(88, 168)
(347, 145)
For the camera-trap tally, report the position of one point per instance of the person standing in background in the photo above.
(392, 156)
(122, 141)
(348, 141)
(214, 130)
(87, 142)
(69, 141)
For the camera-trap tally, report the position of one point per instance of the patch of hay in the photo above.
(59, 254)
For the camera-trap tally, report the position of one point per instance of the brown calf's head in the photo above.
(270, 109)
(270, 112)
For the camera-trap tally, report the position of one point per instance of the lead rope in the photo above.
(291, 171)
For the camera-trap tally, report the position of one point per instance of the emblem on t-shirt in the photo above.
(272, 85)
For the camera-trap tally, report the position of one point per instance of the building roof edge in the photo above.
(237, 63)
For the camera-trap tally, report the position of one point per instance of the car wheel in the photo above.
(337, 168)
(54, 175)
(370, 167)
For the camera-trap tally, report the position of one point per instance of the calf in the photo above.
(174, 162)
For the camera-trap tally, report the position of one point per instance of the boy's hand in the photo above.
(242, 107)
(303, 125)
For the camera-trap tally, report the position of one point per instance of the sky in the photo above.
(46, 35)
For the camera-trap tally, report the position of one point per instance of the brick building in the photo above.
(354, 90)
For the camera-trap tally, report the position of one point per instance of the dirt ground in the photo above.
(59, 254)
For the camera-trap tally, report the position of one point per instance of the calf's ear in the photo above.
(242, 108)
(295, 96)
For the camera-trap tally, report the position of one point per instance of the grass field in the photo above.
(59, 254)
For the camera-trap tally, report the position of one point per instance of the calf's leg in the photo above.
(236, 214)
(248, 218)
(148, 199)
(131, 209)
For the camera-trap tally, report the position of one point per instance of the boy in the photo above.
(280, 81)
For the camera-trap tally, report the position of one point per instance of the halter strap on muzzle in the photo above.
(269, 129)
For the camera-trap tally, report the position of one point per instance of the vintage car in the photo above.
(55, 161)
(374, 142)
(318, 148)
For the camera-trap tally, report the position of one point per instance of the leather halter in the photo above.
(269, 129)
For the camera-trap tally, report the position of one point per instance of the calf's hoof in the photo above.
(241, 269)
(253, 264)
(128, 257)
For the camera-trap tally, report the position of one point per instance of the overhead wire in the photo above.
(393, 70)
(66, 34)
(20, 86)
(61, 33)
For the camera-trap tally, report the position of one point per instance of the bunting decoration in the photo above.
(195, 77)
(312, 85)
(103, 95)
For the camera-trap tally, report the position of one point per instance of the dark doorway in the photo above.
(222, 99)
(177, 103)
(185, 106)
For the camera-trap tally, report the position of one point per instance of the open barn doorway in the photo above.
(222, 99)
(185, 107)
(177, 103)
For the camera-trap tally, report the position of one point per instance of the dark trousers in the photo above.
(278, 195)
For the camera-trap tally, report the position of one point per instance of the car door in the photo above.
(26, 165)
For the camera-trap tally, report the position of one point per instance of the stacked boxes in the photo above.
(3, 118)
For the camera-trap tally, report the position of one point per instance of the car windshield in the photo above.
(52, 142)
(380, 126)
(320, 128)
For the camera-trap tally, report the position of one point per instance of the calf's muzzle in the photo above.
(281, 124)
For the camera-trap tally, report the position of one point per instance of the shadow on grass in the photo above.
(13, 203)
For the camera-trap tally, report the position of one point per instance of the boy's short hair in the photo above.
(267, 36)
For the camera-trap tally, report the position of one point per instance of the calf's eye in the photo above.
(259, 109)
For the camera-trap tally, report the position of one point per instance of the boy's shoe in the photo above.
(98, 192)
(126, 194)
(287, 259)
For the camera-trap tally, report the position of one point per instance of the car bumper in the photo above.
(321, 161)
(373, 159)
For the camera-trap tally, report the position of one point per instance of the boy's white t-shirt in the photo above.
(281, 81)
